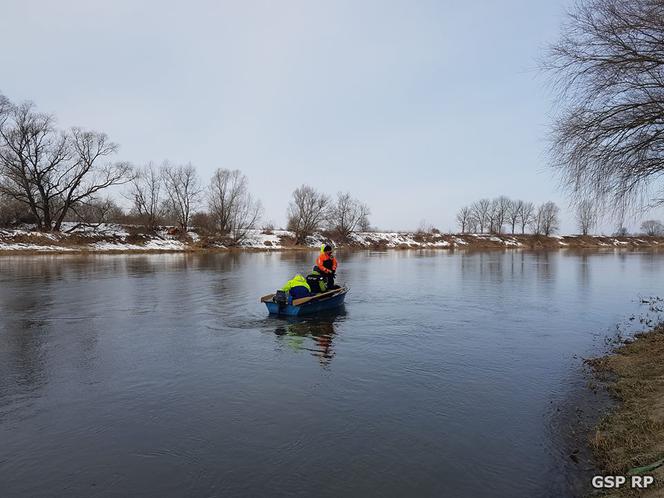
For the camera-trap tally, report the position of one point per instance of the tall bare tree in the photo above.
(526, 214)
(513, 213)
(609, 67)
(498, 213)
(183, 192)
(481, 213)
(347, 216)
(307, 212)
(546, 221)
(145, 192)
(51, 171)
(231, 206)
(463, 218)
(586, 215)
(652, 228)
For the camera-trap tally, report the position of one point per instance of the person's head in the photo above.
(327, 249)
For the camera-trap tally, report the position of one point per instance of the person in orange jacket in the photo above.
(326, 265)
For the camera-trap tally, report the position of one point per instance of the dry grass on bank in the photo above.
(632, 435)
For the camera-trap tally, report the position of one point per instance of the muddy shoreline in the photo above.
(573, 420)
(116, 239)
(629, 438)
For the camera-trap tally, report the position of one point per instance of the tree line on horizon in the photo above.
(492, 215)
(50, 176)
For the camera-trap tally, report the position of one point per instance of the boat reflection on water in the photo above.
(314, 334)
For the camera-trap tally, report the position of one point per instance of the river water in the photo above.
(162, 375)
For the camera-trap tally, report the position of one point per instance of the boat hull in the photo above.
(316, 306)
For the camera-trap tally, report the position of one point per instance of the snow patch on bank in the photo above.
(151, 245)
(33, 247)
(115, 238)
(258, 239)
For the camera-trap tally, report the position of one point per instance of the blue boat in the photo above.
(315, 304)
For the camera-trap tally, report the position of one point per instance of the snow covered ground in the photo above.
(118, 238)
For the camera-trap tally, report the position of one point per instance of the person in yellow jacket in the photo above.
(297, 287)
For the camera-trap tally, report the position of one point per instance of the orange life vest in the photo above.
(322, 259)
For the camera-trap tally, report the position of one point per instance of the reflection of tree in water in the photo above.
(315, 336)
(24, 335)
(487, 265)
(544, 266)
(584, 270)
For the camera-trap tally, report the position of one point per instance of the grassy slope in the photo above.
(632, 435)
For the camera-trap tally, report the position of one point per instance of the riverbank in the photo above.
(630, 438)
(110, 238)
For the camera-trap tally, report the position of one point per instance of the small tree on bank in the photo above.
(498, 213)
(621, 231)
(231, 206)
(481, 214)
(586, 216)
(183, 191)
(463, 218)
(513, 214)
(654, 228)
(307, 212)
(546, 219)
(145, 193)
(525, 215)
(347, 216)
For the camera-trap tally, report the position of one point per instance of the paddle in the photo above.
(302, 300)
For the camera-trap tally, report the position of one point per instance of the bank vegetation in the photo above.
(630, 439)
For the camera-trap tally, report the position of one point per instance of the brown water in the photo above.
(162, 375)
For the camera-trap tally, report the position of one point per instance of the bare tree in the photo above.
(472, 223)
(586, 215)
(526, 214)
(183, 191)
(364, 225)
(608, 65)
(653, 228)
(50, 171)
(146, 196)
(231, 206)
(513, 210)
(545, 221)
(498, 213)
(481, 213)
(463, 218)
(347, 216)
(536, 221)
(307, 212)
(5, 108)
(621, 231)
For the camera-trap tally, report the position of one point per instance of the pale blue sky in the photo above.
(416, 107)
